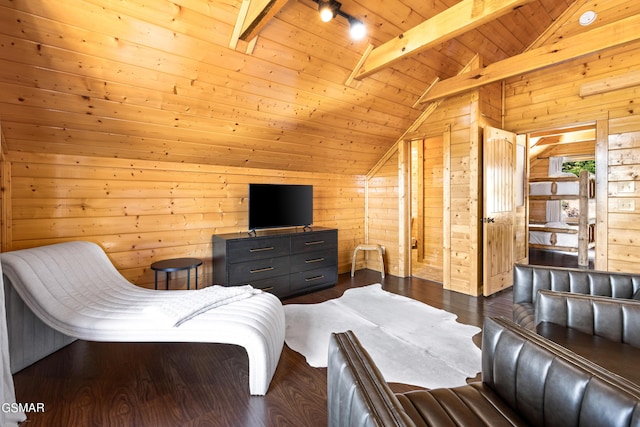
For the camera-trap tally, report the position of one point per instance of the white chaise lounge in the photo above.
(74, 289)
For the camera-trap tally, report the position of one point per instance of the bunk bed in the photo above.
(576, 234)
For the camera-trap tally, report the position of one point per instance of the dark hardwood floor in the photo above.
(149, 384)
(557, 258)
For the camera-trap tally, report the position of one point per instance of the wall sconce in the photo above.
(329, 9)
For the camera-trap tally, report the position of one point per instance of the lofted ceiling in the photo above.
(163, 80)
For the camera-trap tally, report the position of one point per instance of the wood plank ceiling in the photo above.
(157, 80)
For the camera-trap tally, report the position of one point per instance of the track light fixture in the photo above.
(356, 28)
(329, 9)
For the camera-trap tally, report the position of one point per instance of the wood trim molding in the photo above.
(419, 166)
(601, 261)
(418, 103)
(404, 209)
(237, 29)
(446, 209)
(363, 58)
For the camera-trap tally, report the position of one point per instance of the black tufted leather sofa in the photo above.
(528, 279)
(527, 380)
(602, 329)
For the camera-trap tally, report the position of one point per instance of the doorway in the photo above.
(562, 208)
(427, 165)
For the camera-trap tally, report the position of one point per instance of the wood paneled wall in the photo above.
(383, 214)
(551, 99)
(456, 123)
(143, 211)
(117, 75)
(451, 175)
(623, 209)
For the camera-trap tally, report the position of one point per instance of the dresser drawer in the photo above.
(305, 280)
(246, 272)
(276, 285)
(314, 242)
(313, 260)
(251, 249)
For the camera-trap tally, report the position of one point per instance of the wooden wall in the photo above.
(462, 179)
(551, 99)
(455, 121)
(383, 215)
(144, 211)
(623, 208)
(118, 74)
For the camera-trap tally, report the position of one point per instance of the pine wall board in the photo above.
(143, 211)
(624, 194)
(383, 216)
(145, 79)
(450, 178)
(551, 99)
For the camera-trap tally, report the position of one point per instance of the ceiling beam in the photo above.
(259, 13)
(589, 42)
(458, 19)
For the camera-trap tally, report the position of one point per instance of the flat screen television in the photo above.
(280, 206)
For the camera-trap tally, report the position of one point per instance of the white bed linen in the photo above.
(564, 188)
(75, 289)
(561, 239)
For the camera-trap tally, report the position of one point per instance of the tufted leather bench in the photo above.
(526, 380)
(529, 279)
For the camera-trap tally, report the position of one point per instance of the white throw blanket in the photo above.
(193, 303)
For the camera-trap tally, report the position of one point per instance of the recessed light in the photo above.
(587, 18)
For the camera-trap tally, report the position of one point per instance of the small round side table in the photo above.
(176, 264)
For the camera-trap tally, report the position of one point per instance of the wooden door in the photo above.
(499, 152)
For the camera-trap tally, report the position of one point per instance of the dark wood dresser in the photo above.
(284, 262)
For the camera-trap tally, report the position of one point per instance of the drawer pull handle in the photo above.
(311, 261)
(269, 248)
(268, 289)
(316, 242)
(260, 270)
(314, 278)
